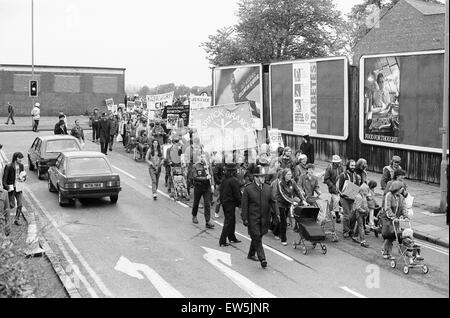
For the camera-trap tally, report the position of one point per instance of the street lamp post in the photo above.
(32, 46)
(444, 130)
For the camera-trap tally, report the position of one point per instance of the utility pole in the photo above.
(444, 130)
(32, 46)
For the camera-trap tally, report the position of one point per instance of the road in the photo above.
(145, 248)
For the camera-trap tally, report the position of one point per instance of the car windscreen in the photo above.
(61, 145)
(88, 166)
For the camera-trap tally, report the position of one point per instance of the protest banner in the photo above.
(199, 101)
(276, 140)
(225, 127)
(158, 102)
(109, 103)
(173, 113)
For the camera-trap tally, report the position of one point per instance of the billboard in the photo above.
(243, 83)
(400, 101)
(310, 97)
(174, 114)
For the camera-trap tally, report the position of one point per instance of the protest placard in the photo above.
(157, 102)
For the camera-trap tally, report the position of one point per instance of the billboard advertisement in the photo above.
(243, 83)
(310, 97)
(400, 102)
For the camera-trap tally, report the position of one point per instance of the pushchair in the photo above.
(140, 151)
(325, 217)
(406, 251)
(178, 182)
(309, 229)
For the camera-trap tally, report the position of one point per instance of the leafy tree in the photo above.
(144, 90)
(271, 30)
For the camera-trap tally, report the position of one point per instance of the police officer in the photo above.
(203, 182)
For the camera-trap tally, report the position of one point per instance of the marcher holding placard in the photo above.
(349, 176)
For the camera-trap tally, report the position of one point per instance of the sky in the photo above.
(158, 42)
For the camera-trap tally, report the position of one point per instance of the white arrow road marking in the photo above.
(348, 290)
(214, 257)
(124, 265)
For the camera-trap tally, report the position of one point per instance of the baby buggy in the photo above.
(309, 229)
(408, 252)
(178, 182)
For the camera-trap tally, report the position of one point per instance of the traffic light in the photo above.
(33, 88)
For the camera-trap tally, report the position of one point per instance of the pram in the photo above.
(178, 183)
(309, 229)
(399, 226)
(139, 154)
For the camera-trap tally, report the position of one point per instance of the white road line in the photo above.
(348, 290)
(77, 253)
(431, 247)
(169, 197)
(124, 172)
(265, 246)
(72, 265)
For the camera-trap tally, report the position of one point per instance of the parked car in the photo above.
(83, 174)
(45, 149)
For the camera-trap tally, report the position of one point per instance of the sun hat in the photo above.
(336, 159)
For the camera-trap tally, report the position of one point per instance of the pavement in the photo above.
(46, 123)
(428, 223)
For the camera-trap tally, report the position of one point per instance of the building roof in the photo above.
(62, 69)
(427, 8)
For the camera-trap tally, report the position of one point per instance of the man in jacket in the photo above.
(346, 202)
(230, 198)
(333, 171)
(105, 129)
(10, 178)
(36, 115)
(77, 131)
(95, 120)
(388, 171)
(257, 199)
(114, 130)
(60, 128)
(203, 182)
(307, 148)
(10, 114)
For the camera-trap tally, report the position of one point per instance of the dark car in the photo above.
(81, 175)
(45, 150)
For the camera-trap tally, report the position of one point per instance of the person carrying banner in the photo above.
(203, 182)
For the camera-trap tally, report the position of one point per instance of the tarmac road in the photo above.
(144, 248)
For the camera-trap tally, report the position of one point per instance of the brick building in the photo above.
(72, 90)
(411, 25)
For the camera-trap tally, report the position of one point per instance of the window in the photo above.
(38, 145)
(88, 166)
(104, 84)
(67, 84)
(62, 145)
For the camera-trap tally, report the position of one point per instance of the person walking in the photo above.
(307, 148)
(77, 132)
(350, 176)
(13, 176)
(300, 167)
(257, 199)
(104, 128)
(394, 207)
(309, 184)
(333, 171)
(60, 128)
(388, 171)
(203, 182)
(361, 170)
(155, 160)
(230, 198)
(286, 160)
(114, 130)
(361, 209)
(287, 194)
(3, 162)
(95, 120)
(10, 114)
(36, 115)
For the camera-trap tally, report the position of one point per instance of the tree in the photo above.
(144, 90)
(270, 30)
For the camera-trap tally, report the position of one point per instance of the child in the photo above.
(412, 250)
(371, 203)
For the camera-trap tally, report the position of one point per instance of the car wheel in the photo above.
(30, 165)
(51, 187)
(62, 201)
(114, 198)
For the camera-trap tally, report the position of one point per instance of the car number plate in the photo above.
(92, 185)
